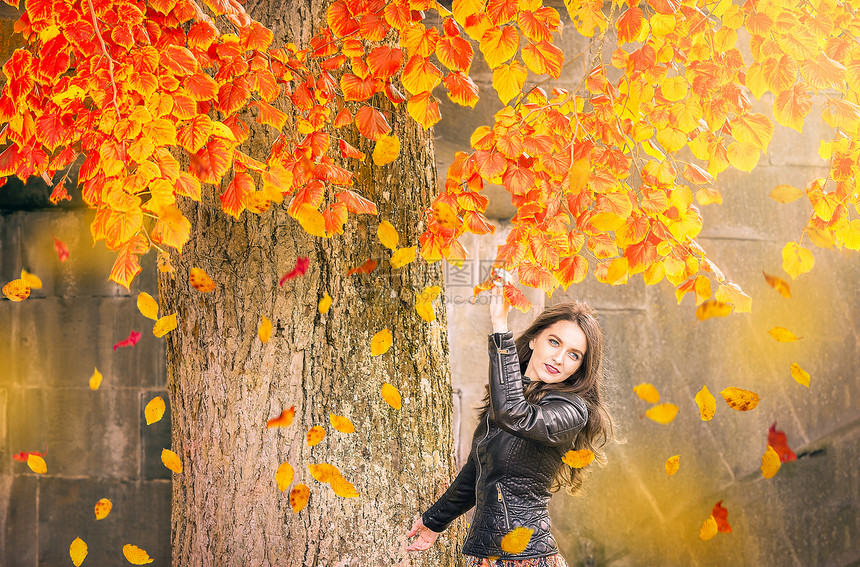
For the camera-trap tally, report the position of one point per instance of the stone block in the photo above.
(88, 433)
(140, 516)
(58, 342)
(18, 520)
(154, 438)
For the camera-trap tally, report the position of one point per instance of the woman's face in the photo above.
(557, 352)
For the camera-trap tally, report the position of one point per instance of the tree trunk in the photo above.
(224, 383)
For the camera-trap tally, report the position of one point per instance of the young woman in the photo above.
(543, 399)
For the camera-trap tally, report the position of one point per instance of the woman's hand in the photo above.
(426, 536)
(499, 308)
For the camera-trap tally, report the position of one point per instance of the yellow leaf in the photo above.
(324, 304)
(299, 497)
(578, 459)
(800, 375)
(37, 464)
(200, 280)
(324, 472)
(381, 342)
(732, 294)
(391, 395)
(796, 260)
(147, 306)
(743, 155)
(315, 435)
(154, 410)
(135, 555)
(673, 464)
(663, 413)
(770, 463)
(778, 284)
(739, 399)
(386, 150)
(387, 235)
(707, 404)
(403, 256)
(171, 460)
(674, 88)
(311, 220)
(783, 335)
(516, 540)
(284, 476)
(265, 330)
(31, 280)
(647, 392)
(16, 290)
(78, 551)
(343, 488)
(95, 379)
(785, 194)
(508, 80)
(164, 325)
(340, 423)
(712, 308)
(103, 508)
(708, 529)
(425, 311)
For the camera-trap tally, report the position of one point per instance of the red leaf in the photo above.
(355, 203)
(62, 249)
(371, 123)
(302, 263)
(721, 515)
(233, 198)
(22, 456)
(233, 95)
(129, 342)
(779, 441)
(384, 61)
(365, 268)
(461, 88)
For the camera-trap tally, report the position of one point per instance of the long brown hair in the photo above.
(586, 382)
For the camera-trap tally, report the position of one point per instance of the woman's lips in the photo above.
(551, 369)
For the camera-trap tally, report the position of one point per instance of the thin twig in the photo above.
(105, 51)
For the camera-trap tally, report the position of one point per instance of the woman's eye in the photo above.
(574, 356)
(553, 342)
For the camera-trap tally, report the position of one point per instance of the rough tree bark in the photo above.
(224, 383)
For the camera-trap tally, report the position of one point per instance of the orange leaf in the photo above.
(543, 58)
(391, 395)
(265, 330)
(721, 516)
(284, 476)
(126, 265)
(739, 399)
(135, 555)
(498, 44)
(455, 53)
(791, 106)
(647, 392)
(16, 290)
(629, 25)
(200, 280)
(365, 268)
(461, 88)
(103, 508)
(299, 496)
(154, 410)
(571, 269)
(420, 75)
(712, 308)
(381, 342)
(371, 123)
(355, 203)
(779, 74)
(270, 115)
(233, 95)
(516, 540)
(315, 435)
(384, 61)
(778, 284)
(424, 109)
(61, 248)
(283, 420)
(171, 460)
(578, 459)
(341, 423)
(662, 413)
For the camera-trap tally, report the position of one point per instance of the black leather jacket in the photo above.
(516, 452)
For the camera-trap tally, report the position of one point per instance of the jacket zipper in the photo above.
(478, 457)
(504, 507)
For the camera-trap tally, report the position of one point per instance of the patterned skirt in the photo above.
(550, 561)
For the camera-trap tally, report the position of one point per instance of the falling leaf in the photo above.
(365, 268)
(381, 342)
(37, 464)
(164, 325)
(673, 464)
(324, 304)
(171, 460)
(403, 256)
(132, 339)
(299, 497)
(785, 194)
(31, 280)
(709, 528)
(391, 395)
(770, 463)
(387, 235)
(24, 455)
(663, 413)
(343, 488)
(424, 303)
(778, 440)
(16, 290)
(135, 555)
(315, 435)
(721, 516)
(200, 280)
(323, 472)
(341, 423)
(739, 399)
(516, 540)
(95, 379)
(103, 508)
(386, 150)
(712, 308)
(147, 306)
(154, 410)
(284, 476)
(647, 392)
(302, 264)
(62, 249)
(707, 404)
(265, 330)
(800, 375)
(796, 260)
(778, 284)
(283, 420)
(578, 459)
(783, 335)
(78, 551)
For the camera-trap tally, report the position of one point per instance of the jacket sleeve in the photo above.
(553, 422)
(456, 501)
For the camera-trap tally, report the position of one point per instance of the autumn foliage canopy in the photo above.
(609, 175)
